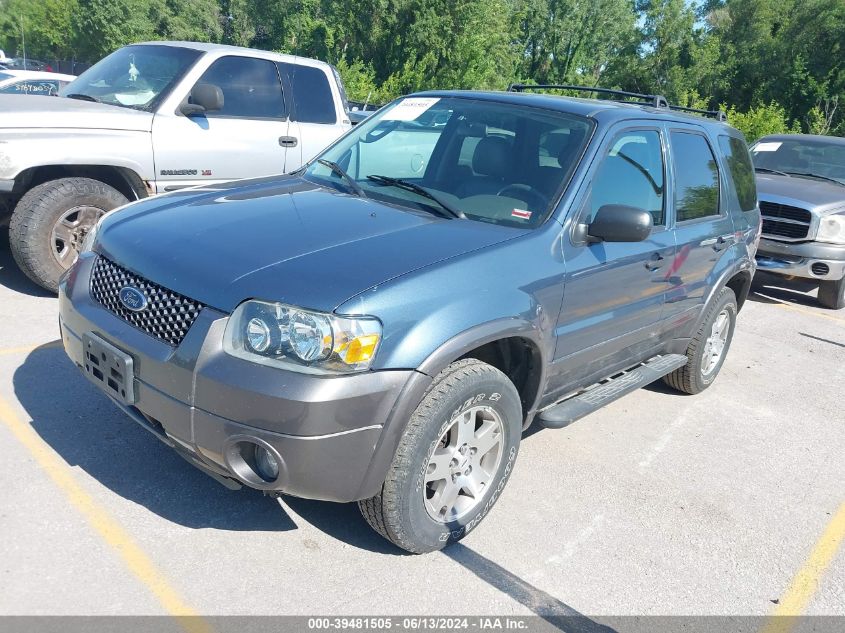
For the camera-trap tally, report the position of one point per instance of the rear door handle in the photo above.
(287, 141)
(654, 262)
(722, 242)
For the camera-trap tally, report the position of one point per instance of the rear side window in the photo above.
(631, 174)
(312, 95)
(251, 88)
(696, 177)
(741, 171)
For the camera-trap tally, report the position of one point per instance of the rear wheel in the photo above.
(453, 460)
(832, 294)
(708, 348)
(50, 223)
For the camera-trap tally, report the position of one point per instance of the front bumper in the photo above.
(811, 260)
(325, 431)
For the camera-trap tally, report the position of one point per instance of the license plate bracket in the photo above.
(108, 367)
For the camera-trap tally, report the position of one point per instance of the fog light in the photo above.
(266, 464)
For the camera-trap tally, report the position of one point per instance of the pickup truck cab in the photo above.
(152, 118)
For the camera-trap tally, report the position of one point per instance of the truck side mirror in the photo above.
(203, 98)
(620, 223)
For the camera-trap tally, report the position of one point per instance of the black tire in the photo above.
(399, 512)
(691, 378)
(832, 294)
(31, 226)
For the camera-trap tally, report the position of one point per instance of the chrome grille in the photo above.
(782, 221)
(168, 315)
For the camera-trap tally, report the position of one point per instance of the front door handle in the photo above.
(287, 141)
(654, 262)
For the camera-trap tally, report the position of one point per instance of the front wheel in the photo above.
(832, 294)
(453, 460)
(50, 223)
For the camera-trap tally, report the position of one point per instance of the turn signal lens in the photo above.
(359, 349)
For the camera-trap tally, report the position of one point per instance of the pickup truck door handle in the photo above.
(654, 262)
(287, 141)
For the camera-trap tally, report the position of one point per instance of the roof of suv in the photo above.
(614, 110)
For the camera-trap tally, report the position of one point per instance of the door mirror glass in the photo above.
(620, 223)
(203, 98)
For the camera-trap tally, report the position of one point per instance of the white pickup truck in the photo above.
(152, 118)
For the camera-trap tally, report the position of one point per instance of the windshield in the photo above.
(801, 156)
(136, 77)
(491, 162)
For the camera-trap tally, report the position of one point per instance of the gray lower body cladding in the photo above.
(810, 260)
(333, 436)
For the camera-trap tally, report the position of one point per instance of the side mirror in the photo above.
(203, 98)
(620, 223)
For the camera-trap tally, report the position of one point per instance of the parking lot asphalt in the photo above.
(729, 502)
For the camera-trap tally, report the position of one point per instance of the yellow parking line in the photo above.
(29, 348)
(103, 523)
(789, 306)
(806, 581)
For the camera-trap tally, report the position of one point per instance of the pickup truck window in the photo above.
(312, 96)
(138, 77)
(631, 173)
(251, 88)
(696, 177)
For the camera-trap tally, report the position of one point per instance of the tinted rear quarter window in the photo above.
(312, 95)
(741, 171)
(696, 177)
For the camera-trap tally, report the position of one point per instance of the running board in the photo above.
(565, 413)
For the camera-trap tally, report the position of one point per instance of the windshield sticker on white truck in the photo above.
(767, 147)
(410, 109)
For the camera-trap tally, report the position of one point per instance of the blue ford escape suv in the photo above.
(382, 325)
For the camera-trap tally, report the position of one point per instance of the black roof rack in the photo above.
(656, 101)
(716, 114)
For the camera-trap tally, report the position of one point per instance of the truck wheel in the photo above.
(50, 222)
(453, 460)
(832, 294)
(708, 348)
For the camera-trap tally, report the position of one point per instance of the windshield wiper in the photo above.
(82, 97)
(340, 171)
(771, 171)
(819, 176)
(450, 211)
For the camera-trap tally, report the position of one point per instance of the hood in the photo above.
(281, 239)
(807, 193)
(27, 111)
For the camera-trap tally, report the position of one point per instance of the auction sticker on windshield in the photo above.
(410, 109)
(767, 147)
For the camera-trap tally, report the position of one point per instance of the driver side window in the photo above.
(251, 88)
(631, 174)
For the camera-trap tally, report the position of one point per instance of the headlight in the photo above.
(301, 340)
(832, 229)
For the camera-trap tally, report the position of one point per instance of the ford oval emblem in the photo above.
(132, 298)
